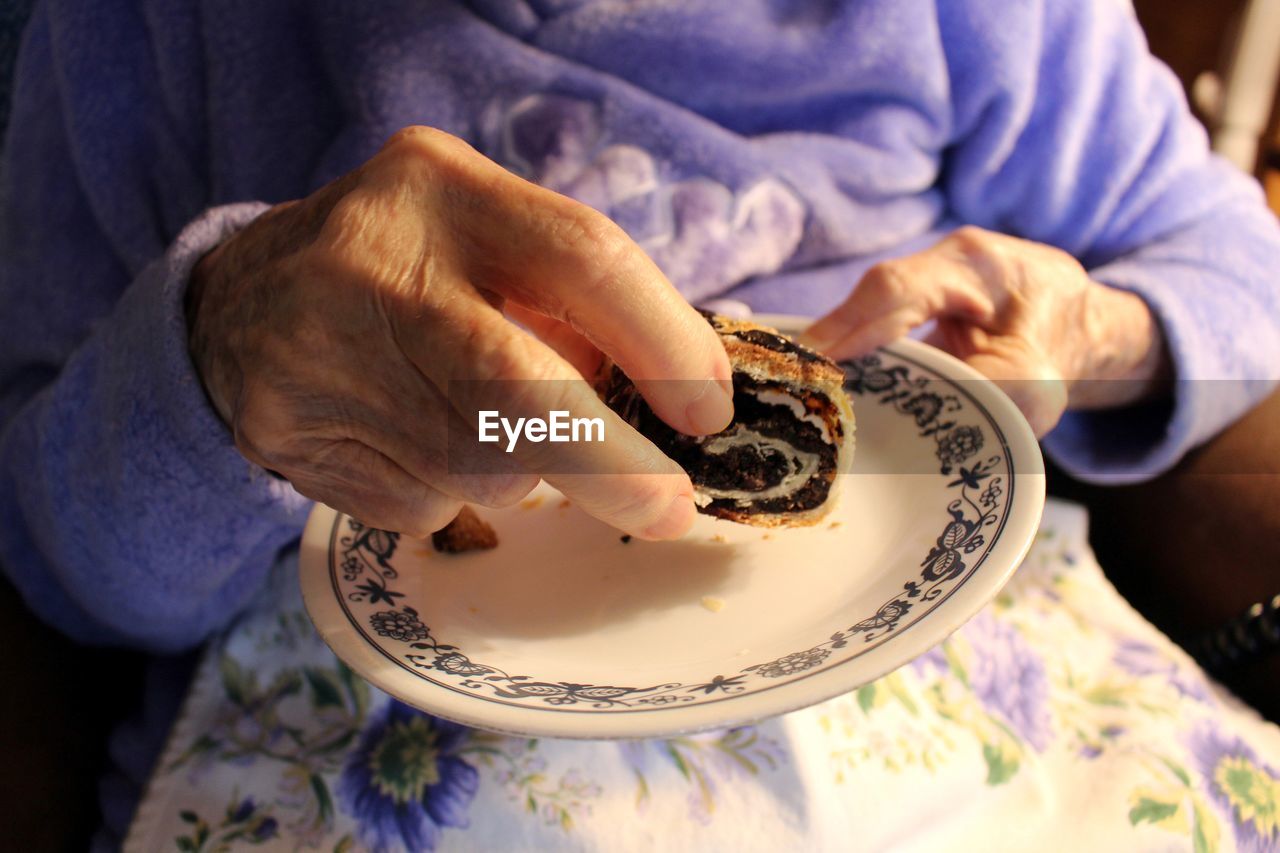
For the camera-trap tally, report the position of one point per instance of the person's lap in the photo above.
(1057, 709)
(1189, 550)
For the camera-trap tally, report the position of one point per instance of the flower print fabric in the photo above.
(405, 781)
(1244, 789)
(1056, 713)
(1008, 677)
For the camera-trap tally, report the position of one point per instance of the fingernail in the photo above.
(712, 410)
(675, 522)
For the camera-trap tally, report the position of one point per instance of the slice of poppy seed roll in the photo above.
(778, 463)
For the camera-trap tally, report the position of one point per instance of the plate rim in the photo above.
(1018, 528)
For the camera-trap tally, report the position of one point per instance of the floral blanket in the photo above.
(1057, 718)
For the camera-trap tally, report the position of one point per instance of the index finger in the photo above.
(895, 297)
(503, 380)
(567, 261)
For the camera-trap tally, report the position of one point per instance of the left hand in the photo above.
(1025, 315)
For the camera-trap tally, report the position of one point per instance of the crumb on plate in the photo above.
(833, 525)
(532, 503)
(719, 537)
(625, 539)
(710, 602)
(467, 532)
(565, 504)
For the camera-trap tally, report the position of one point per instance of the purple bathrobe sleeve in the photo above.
(1085, 142)
(127, 514)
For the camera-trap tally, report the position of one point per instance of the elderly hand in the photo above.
(328, 331)
(1024, 314)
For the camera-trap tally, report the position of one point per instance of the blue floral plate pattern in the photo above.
(565, 630)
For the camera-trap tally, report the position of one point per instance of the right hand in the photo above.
(327, 332)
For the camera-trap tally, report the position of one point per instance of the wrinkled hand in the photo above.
(1024, 314)
(327, 333)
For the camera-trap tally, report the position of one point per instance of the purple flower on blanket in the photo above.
(1009, 678)
(1138, 658)
(268, 829)
(1244, 789)
(243, 821)
(1094, 748)
(934, 660)
(405, 781)
(704, 761)
(243, 811)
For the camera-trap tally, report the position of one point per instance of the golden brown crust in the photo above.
(795, 363)
(467, 532)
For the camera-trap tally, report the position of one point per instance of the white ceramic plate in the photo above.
(564, 630)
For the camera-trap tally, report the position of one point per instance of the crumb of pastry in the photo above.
(719, 537)
(767, 536)
(532, 503)
(625, 539)
(473, 610)
(467, 532)
(565, 503)
(833, 525)
(710, 602)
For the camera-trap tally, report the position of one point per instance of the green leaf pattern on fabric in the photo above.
(1056, 686)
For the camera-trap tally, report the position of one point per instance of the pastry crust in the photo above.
(467, 532)
(789, 403)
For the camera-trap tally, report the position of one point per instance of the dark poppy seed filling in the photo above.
(792, 432)
(766, 338)
(772, 459)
